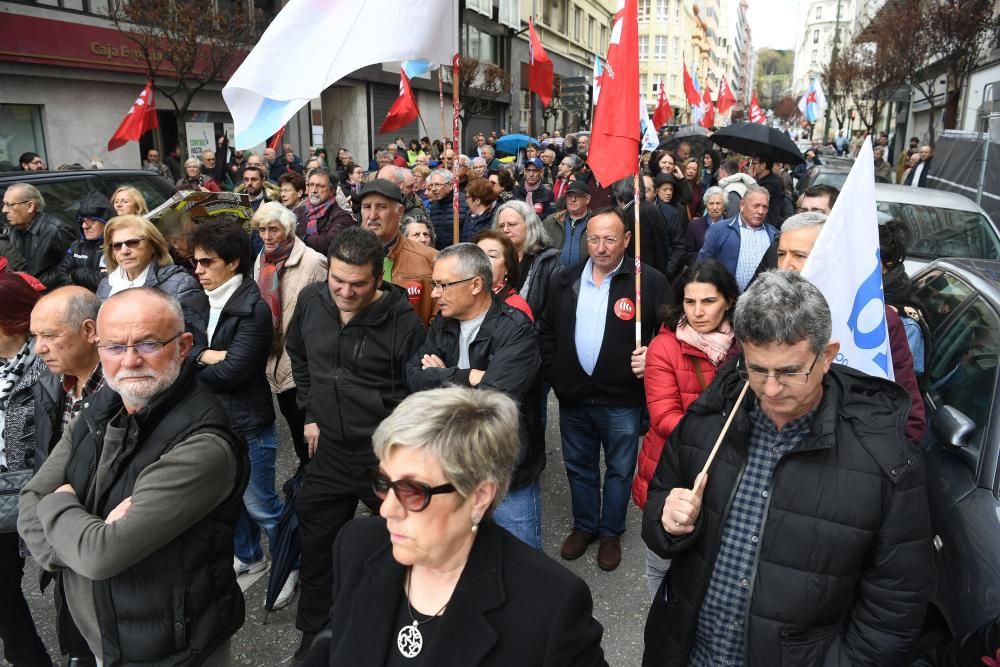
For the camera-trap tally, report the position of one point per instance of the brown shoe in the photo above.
(576, 544)
(609, 554)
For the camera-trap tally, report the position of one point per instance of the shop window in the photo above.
(20, 132)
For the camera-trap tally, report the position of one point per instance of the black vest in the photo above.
(182, 602)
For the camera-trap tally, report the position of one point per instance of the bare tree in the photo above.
(480, 84)
(187, 44)
(837, 75)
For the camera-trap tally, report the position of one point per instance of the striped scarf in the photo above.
(269, 281)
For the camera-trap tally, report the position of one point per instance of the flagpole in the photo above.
(638, 262)
(455, 147)
(441, 97)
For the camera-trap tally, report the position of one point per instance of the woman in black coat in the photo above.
(232, 366)
(435, 581)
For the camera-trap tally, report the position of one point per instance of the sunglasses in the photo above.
(204, 262)
(131, 244)
(414, 496)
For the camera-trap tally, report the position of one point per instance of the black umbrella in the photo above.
(757, 139)
(695, 135)
(286, 549)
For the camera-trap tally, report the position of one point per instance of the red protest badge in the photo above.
(625, 309)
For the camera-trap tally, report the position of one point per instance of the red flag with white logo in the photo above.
(404, 111)
(756, 113)
(708, 120)
(690, 92)
(539, 67)
(664, 112)
(139, 120)
(614, 141)
(726, 98)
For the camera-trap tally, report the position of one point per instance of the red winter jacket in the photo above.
(671, 386)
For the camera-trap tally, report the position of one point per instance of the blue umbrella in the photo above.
(286, 549)
(512, 143)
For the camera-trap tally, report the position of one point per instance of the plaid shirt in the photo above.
(719, 635)
(71, 408)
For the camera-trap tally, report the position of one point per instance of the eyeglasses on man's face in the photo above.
(444, 286)
(414, 496)
(787, 378)
(606, 240)
(142, 348)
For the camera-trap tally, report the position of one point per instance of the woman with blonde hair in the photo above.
(128, 199)
(137, 255)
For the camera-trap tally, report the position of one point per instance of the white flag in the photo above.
(845, 266)
(327, 40)
(650, 140)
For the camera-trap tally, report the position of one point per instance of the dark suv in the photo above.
(64, 190)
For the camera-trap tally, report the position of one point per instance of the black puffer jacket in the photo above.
(84, 263)
(844, 566)
(43, 245)
(181, 285)
(244, 332)
(535, 278)
(506, 347)
(442, 217)
(351, 376)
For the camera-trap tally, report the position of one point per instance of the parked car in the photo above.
(64, 190)
(962, 304)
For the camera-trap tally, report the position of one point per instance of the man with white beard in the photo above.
(135, 507)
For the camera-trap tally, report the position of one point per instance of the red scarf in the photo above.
(269, 281)
(316, 213)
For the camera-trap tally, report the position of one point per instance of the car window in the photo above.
(944, 232)
(833, 178)
(155, 190)
(962, 371)
(942, 293)
(63, 197)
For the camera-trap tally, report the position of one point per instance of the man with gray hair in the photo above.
(405, 181)
(439, 192)
(479, 341)
(135, 507)
(739, 244)
(809, 540)
(42, 240)
(489, 154)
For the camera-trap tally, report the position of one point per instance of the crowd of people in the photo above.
(142, 363)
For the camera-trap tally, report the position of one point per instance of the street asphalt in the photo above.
(621, 598)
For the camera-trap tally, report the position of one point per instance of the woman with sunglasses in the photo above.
(137, 255)
(232, 366)
(435, 581)
(696, 339)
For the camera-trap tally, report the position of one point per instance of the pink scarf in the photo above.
(714, 344)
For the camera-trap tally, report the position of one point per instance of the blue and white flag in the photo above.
(598, 71)
(415, 68)
(846, 267)
(330, 39)
(813, 101)
(649, 140)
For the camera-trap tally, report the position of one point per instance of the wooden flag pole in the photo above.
(725, 428)
(455, 148)
(441, 99)
(638, 263)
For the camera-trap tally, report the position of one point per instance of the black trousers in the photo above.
(336, 480)
(296, 418)
(22, 647)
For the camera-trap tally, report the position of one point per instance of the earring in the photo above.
(475, 522)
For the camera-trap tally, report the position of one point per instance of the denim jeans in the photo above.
(584, 429)
(520, 514)
(261, 505)
(656, 571)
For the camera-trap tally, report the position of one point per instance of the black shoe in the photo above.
(80, 661)
(307, 641)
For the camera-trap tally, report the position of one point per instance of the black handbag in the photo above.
(11, 484)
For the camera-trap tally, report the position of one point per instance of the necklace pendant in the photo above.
(409, 641)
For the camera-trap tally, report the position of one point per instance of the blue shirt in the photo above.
(754, 242)
(719, 636)
(591, 315)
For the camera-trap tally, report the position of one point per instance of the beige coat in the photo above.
(304, 267)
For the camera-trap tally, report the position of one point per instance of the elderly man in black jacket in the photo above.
(42, 240)
(809, 540)
(480, 341)
(349, 341)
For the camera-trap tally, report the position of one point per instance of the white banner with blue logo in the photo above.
(844, 264)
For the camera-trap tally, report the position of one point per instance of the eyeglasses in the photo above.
(143, 348)
(414, 496)
(783, 377)
(89, 222)
(131, 244)
(606, 240)
(12, 204)
(444, 286)
(204, 262)
(509, 225)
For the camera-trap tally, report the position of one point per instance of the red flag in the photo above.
(276, 140)
(614, 141)
(756, 114)
(726, 98)
(139, 120)
(664, 112)
(693, 98)
(708, 120)
(539, 67)
(404, 111)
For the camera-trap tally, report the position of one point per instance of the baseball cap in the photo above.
(578, 187)
(381, 186)
(534, 162)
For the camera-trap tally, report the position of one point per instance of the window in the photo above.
(677, 50)
(677, 10)
(660, 48)
(563, 16)
(643, 80)
(643, 47)
(815, 36)
(547, 13)
(591, 29)
(603, 46)
(577, 23)
(480, 45)
(942, 232)
(819, 12)
(673, 82)
(21, 128)
(814, 56)
(662, 10)
(524, 111)
(644, 10)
